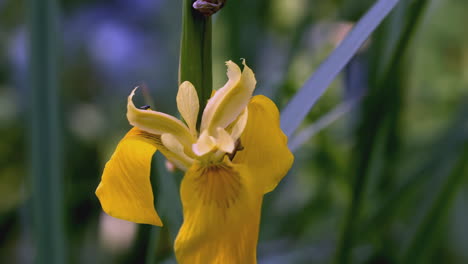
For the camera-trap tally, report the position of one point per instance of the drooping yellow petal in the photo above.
(221, 215)
(158, 123)
(266, 151)
(229, 101)
(125, 189)
(188, 105)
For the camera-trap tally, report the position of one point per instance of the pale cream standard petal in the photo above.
(158, 123)
(240, 124)
(205, 144)
(188, 105)
(228, 102)
(224, 141)
(234, 74)
(173, 145)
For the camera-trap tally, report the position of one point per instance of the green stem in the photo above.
(195, 52)
(154, 233)
(46, 161)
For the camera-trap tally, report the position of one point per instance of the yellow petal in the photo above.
(188, 105)
(157, 123)
(265, 151)
(229, 101)
(125, 189)
(177, 150)
(221, 216)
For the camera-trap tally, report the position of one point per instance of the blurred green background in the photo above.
(391, 174)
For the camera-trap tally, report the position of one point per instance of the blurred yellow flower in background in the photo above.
(238, 154)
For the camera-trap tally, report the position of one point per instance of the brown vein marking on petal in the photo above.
(218, 185)
(154, 139)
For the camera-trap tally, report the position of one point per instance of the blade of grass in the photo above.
(428, 229)
(299, 106)
(450, 142)
(169, 204)
(302, 137)
(386, 87)
(356, 82)
(154, 235)
(46, 149)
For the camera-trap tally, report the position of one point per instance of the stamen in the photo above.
(238, 147)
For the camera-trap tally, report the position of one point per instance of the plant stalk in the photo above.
(46, 147)
(195, 53)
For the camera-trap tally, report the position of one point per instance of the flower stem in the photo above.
(195, 52)
(46, 161)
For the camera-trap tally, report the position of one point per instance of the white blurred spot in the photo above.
(116, 234)
(86, 121)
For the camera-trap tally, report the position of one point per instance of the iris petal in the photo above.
(174, 146)
(205, 144)
(158, 123)
(125, 190)
(221, 215)
(266, 151)
(229, 101)
(224, 141)
(188, 105)
(239, 125)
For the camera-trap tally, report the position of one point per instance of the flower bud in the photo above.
(208, 7)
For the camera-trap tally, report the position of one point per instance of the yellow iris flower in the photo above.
(239, 155)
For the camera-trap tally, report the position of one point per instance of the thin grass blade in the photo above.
(450, 142)
(427, 231)
(340, 110)
(299, 106)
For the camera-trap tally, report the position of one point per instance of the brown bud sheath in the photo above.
(208, 7)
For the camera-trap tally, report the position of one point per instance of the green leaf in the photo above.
(299, 106)
(426, 233)
(378, 133)
(304, 135)
(450, 142)
(45, 135)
